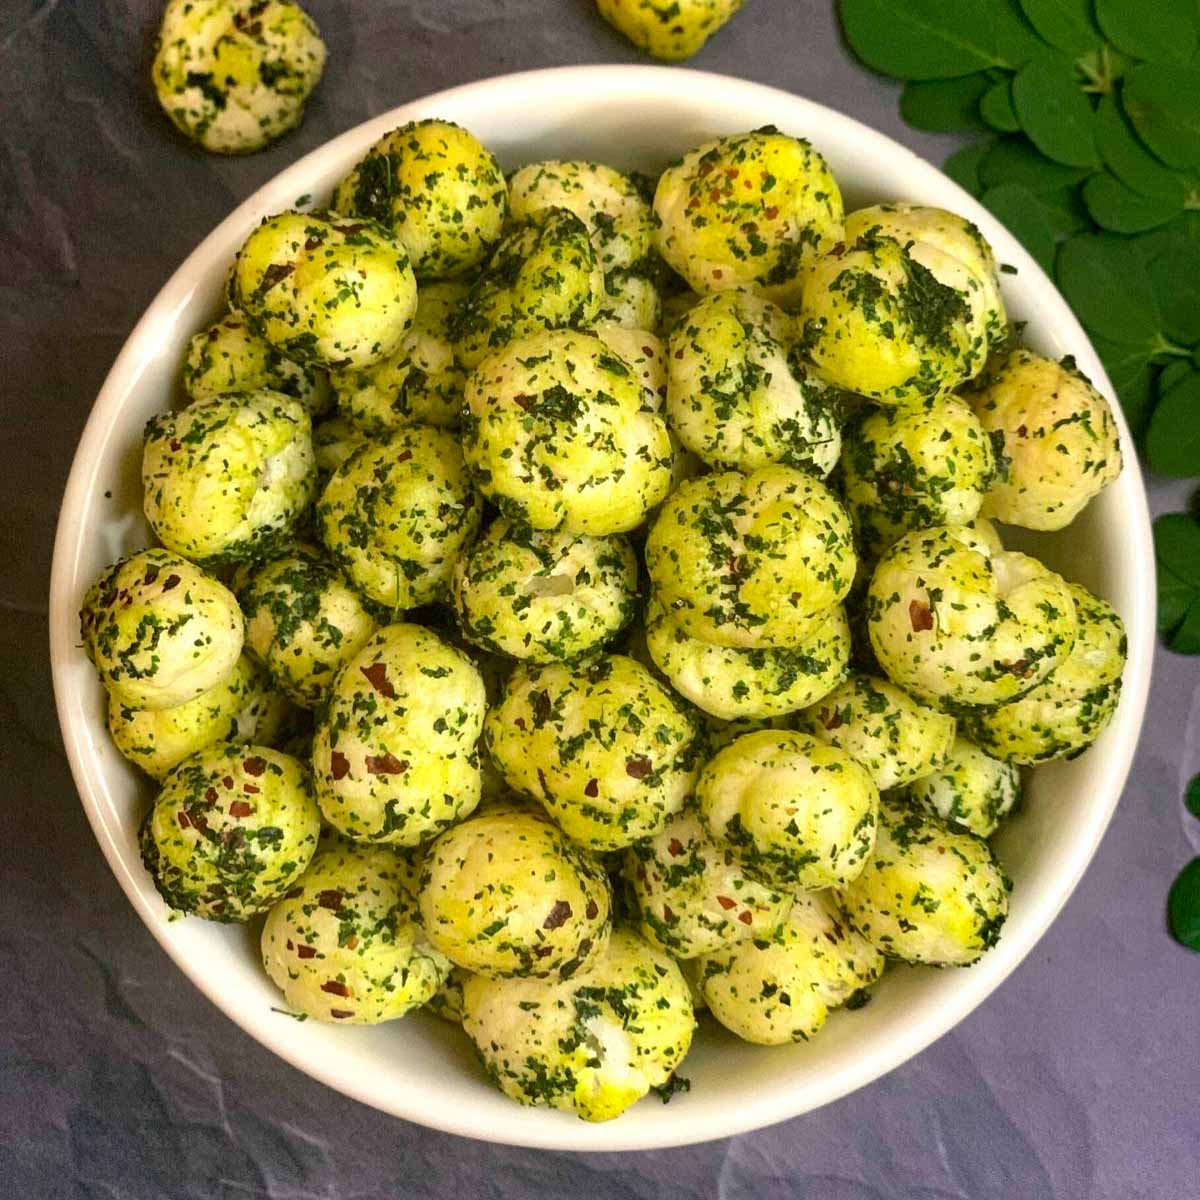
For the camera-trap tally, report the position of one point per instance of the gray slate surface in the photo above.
(1077, 1080)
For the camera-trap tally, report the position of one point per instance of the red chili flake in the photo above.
(176, 446)
(542, 781)
(211, 795)
(675, 847)
(524, 401)
(919, 616)
(352, 942)
(638, 766)
(341, 1013)
(732, 172)
(725, 902)
(275, 274)
(771, 213)
(306, 952)
(647, 351)
(831, 718)
(718, 273)
(542, 708)
(592, 910)
(749, 227)
(251, 789)
(171, 581)
(295, 893)
(668, 915)
(1020, 668)
(542, 951)
(198, 821)
(254, 765)
(239, 809)
(377, 677)
(734, 564)
(838, 250)
(746, 917)
(519, 722)
(357, 228)
(592, 789)
(404, 456)
(386, 764)
(331, 898)
(1022, 431)
(838, 930)
(312, 243)
(184, 823)
(339, 765)
(336, 989)
(227, 781)
(290, 946)
(558, 915)
(829, 938)
(714, 196)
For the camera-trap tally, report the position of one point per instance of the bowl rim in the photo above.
(138, 351)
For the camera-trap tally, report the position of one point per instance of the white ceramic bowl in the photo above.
(421, 1068)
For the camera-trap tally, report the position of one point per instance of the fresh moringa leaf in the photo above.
(1132, 374)
(1016, 40)
(1054, 112)
(1191, 797)
(1172, 266)
(1163, 103)
(1014, 160)
(1183, 906)
(963, 166)
(922, 39)
(1023, 213)
(1172, 373)
(945, 105)
(1120, 209)
(1129, 160)
(996, 107)
(1067, 212)
(1152, 30)
(1107, 285)
(1065, 24)
(1173, 439)
(1177, 554)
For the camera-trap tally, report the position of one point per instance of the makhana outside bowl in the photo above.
(421, 1068)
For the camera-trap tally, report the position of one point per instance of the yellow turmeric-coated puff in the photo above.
(561, 433)
(605, 748)
(440, 191)
(394, 752)
(668, 31)
(751, 560)
(752, 210)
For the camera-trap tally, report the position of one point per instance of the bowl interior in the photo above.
(421, 1068)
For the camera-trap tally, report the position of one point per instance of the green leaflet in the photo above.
(963, 166)
(1173, 439)
(1172, 265)
(1054, 112)
(1115, 207)
(1065, 24)
(1014, 160)
(1129, 160)
(945, 105)
(1163, 103)
(1183, 906)
(1191, 797)
(1109, 288)
(996, 107)
(1177, 553)
(1152, 30)
(1132, 374)
(1024, 215)
(1016, 40)
(922, 39)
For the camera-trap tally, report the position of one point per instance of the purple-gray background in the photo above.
(1077, 1080)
